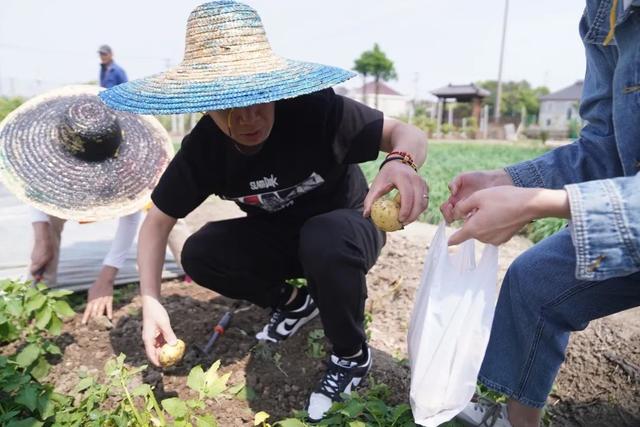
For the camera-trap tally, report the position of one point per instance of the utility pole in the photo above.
(412, 113)
(496, 114)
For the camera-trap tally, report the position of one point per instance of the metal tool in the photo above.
(218, 330)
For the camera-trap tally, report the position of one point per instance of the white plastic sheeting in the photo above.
(83, 248)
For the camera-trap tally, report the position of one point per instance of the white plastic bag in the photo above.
(450, 327)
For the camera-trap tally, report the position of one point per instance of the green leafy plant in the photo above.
(28, 316)
(544, 136)
(24, 400)
(368, 318)
(360, 410)
(425, 123)
(297, 283)
(315, 344)
(544, 228)
(447, 128)
(137, 406)
(31, 314)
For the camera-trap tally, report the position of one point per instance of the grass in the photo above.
(447, 159)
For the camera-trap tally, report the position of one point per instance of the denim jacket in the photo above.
(600, 170)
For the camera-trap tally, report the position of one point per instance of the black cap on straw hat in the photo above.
(69, 155)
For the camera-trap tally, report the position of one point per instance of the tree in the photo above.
(375, 63)
(515, 95)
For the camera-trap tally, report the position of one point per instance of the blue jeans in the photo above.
(546, 293)
(540, 304)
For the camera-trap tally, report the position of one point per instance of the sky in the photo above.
(44, 44)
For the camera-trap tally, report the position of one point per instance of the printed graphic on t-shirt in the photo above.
(266, 182)
(274, 201)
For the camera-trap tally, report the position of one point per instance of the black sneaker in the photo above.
(285, 322)
(342, 376)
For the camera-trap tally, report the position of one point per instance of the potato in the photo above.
(384, 214)
(171, 354)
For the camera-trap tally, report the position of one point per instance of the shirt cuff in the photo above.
(603, 242)
(525, 174)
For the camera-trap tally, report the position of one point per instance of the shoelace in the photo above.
(333, 381)
(276, 318)
(493, 411)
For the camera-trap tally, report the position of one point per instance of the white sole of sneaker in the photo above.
(264, 335)
(352, 386)
(304, 321)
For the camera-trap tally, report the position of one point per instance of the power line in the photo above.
(496, 113)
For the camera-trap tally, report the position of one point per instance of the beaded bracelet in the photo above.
(406, 160)
(401, 154)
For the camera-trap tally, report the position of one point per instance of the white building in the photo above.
(390, 102)
(558, 109)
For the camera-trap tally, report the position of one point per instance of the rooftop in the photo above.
(383, 89)
(461, 91)
(569, 93)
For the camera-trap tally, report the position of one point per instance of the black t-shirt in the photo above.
(306, 167)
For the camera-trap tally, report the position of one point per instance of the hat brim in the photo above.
(36, 167)
(165, 94)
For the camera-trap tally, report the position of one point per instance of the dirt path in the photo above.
(595, 386)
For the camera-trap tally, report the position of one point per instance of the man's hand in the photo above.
(465, 184)
(100, 298)
(42, 252)
(494, 215)
(156, 328)
(414, 192)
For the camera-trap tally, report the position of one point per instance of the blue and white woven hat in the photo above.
(228, 63)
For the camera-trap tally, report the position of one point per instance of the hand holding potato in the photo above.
(156, 328)
(171, 354)
(412, 189)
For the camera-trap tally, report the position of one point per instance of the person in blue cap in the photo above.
(111, 74)
(277, 140)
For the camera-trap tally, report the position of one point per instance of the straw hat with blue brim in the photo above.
(67, 154)
(228, 63)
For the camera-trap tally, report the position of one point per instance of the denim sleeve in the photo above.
(594, 155)
(583, 160)
(605, 218)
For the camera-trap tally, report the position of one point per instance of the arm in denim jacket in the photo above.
(606, 227)
(594, 155)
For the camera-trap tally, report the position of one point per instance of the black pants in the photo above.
(250, 258)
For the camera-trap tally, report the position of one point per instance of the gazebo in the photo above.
(462, 93)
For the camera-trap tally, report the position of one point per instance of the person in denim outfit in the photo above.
(590, 269)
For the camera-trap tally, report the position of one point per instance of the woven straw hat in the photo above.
(67, 154)
(227, 63)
